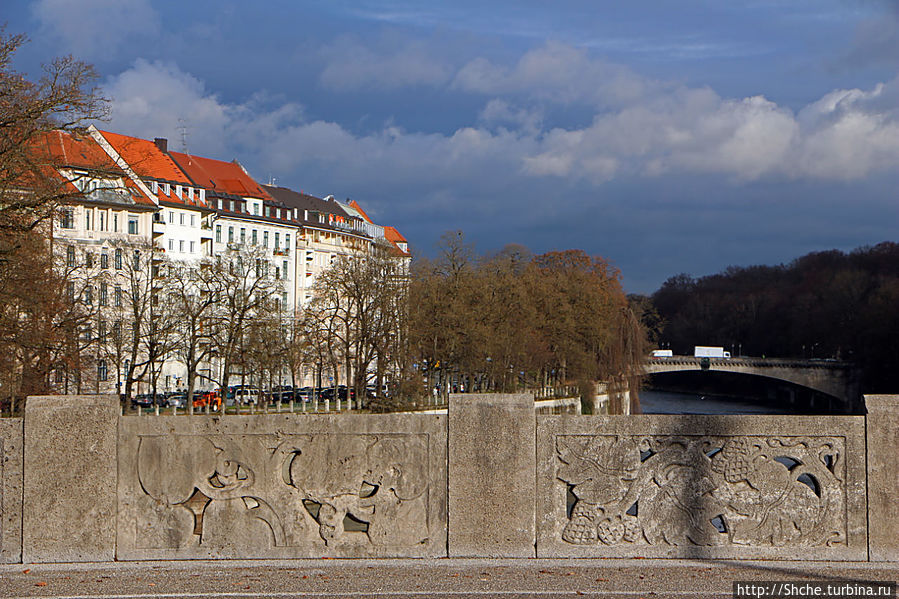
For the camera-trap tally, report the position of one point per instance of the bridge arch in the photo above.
(839, 380)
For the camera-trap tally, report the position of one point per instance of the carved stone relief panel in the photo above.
(281, 495)
(702, 494)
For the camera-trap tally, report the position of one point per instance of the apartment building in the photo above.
(136, 205)
(246, 218)
(101, 233)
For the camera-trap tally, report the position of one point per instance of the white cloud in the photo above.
(351, 65)
(847, 134)
(559, 73)
(91, 29)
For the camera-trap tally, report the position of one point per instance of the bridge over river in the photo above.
(836, 379)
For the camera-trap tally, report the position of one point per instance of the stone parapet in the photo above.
(70, 478)
(882, 425)
(11, 451)
(282, 486)
(491, 476)
(747, 487)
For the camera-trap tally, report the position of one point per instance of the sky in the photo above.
(666, 137)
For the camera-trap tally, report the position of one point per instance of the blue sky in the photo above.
(667, 137)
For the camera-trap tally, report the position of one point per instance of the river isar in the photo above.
(669, 402)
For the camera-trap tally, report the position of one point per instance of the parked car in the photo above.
(142, 400)
(177, 400)
(204, 398)
(246, 396)
(304, 394)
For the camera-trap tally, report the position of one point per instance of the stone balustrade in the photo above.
(492, 478)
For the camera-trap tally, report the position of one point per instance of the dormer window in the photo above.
(167, 188)
(178, 191)
(154, 186)
(202, 195)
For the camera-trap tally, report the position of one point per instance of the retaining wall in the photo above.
(490, 479)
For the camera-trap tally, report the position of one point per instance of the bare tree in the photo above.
(247, 291)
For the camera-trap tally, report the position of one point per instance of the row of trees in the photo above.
(510, 320)
(823, 305)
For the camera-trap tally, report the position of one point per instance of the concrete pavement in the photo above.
(400, 579)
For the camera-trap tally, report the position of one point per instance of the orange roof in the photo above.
(354, 204)
(148, 161)
(393, 235)
(64, 149)
(225, 177)
(145, 158)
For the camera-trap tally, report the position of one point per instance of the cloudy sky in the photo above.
(666, 136)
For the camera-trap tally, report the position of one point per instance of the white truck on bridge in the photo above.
(704, 351)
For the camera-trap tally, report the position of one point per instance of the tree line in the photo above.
(824, 305)
(512, 320)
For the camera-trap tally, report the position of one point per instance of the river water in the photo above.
(665, 402)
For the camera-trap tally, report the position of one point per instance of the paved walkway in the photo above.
(398, 579)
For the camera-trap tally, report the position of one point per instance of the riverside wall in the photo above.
(492, 478)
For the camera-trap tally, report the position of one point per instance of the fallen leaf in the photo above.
(40, 584)
(26, 570)
(602, 580)
(152, 584)
(546, 572)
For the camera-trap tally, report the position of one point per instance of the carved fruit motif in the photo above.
(733, 461)
(581, 529)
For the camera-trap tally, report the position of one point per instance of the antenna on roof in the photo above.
(182, 129)
(271, 180)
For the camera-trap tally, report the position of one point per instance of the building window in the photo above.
(102, 215)
(70, 291)
(243, 236)
(67, 218)
(118, 259)
(132, 225)
(104, 296)
(136, 260)
(191, 247)
(181, 219)
(230, 234)
(115, 223)
(70, 256)
(117, 296)
(218, 233)
(181, 246)
(284, 298)
(256, 208)
(101, 330)
(89, 259)
(277, 241)
(287, 241)
(255, 237)
(265, 238)
(171, 245)
(284, 268)
(102, 370)
(193, 219)
(171, 216)
(88, 295)
(87, 218)
(104, 260)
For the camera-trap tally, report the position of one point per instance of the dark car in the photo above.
(142, 400)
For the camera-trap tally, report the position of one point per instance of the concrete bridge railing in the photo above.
(489, 479)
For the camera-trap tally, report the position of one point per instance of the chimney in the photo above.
(162, 143)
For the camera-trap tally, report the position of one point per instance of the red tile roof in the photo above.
(393, 235)
(62, 149)
(354, 204)
(66, 149)
(221, 176)
(149, 162)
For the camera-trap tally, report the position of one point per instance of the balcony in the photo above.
(281, 252)
(158, 227)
